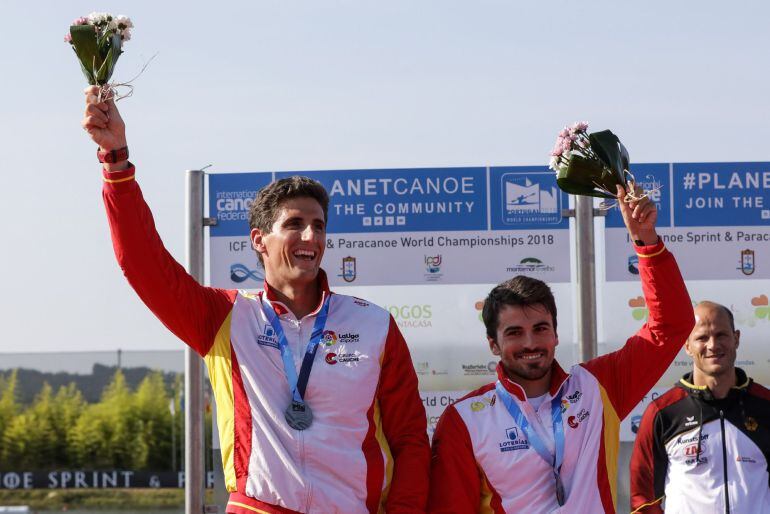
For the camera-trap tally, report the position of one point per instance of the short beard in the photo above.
(528, 374)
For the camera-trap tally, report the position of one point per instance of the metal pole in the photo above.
(194, 469)
(586, 277)
(172, 409)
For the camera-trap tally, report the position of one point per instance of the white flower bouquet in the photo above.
(97, 40)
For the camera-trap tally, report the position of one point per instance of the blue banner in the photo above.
(404, 200)
(526, 197)
(725, 194)
(654, 178)
(230, 196)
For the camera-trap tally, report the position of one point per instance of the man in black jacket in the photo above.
(704, 446)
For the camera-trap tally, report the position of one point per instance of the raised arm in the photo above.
(192, 312)
(629, 373)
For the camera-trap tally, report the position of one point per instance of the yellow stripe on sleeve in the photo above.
(611, 442)
(118, 180)
(650, 504)
(248, 507)
(383, 442)
(648, 255)
(379, 435)
(485, 507)
(220, 366)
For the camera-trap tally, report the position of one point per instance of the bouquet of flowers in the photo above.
(97, 40)
(591, 164)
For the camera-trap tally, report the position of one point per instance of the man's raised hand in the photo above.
(639, 216)
(102, 121)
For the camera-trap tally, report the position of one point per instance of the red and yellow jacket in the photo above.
(367, 449)
(483, 462)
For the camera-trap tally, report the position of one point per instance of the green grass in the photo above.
(117, 499)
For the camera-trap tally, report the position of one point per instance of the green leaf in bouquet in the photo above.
(104, 73)
(609, 149)
(586, 177)
(87, 50)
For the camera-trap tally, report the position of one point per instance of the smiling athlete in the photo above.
(350, 437)
(540, 439)
(704, 446)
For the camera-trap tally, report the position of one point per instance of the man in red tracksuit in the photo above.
(350, 437)
(542, 440)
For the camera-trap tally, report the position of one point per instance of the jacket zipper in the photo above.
(304, 471)
(724, 460)
(302, 434)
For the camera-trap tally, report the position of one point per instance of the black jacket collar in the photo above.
(742, 382)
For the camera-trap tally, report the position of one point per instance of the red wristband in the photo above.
(112, 156)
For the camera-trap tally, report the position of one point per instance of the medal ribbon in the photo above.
(554, 460)
(297, 385)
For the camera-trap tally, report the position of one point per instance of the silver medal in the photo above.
(559, 489)
(298, 415)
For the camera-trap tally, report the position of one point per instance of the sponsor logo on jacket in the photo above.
(574, 397)
(267, 338)
(574, 421)
(693, 454)
(693, 438)
(692, 450)
(344, 358)
(513, 441)
(482, 403)
(360, 302)
(348, 337)
(330, 338)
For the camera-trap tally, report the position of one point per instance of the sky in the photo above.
(302, 85)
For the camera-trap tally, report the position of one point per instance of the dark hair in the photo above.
(265, 207)
(719, 307)
(519, 291)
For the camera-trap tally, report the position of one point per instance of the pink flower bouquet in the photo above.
(97, 40)
(590, 164)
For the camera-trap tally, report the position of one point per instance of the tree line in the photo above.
(139, 429)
